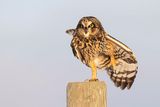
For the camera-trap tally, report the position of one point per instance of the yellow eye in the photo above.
(91, 25)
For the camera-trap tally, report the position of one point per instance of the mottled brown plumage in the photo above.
(97, 49)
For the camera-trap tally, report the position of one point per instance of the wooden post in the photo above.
(86, 94)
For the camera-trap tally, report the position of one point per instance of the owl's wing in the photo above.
(71, 32)
(123, 65)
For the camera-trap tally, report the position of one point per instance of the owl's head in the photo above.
(89, 27)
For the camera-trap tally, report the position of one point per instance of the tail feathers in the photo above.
(122, 79)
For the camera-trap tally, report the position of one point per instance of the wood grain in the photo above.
(86, 94)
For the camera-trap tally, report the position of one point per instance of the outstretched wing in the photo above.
(124, 71)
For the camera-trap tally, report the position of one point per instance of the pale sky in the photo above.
(36, 61)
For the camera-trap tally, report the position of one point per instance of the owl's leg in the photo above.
(113, 61)
(94, 72)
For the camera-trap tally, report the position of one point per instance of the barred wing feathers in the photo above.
(125, 70)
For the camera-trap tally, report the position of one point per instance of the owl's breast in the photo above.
(86, 50)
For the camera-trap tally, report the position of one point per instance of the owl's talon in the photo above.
(93, 80)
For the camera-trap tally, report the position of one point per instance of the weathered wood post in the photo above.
(86, 94)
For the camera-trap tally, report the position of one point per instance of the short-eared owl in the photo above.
(98, 50)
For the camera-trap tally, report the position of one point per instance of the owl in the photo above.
(98, 50)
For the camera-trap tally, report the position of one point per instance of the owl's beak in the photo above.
(85, 30)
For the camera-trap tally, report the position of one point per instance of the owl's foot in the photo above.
(93, 80)
(113, 63)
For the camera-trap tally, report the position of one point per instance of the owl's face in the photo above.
(89, 27)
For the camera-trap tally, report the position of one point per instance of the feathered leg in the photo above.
(113, 61)
(94, 72)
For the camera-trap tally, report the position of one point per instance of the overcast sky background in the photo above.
(36, 61)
